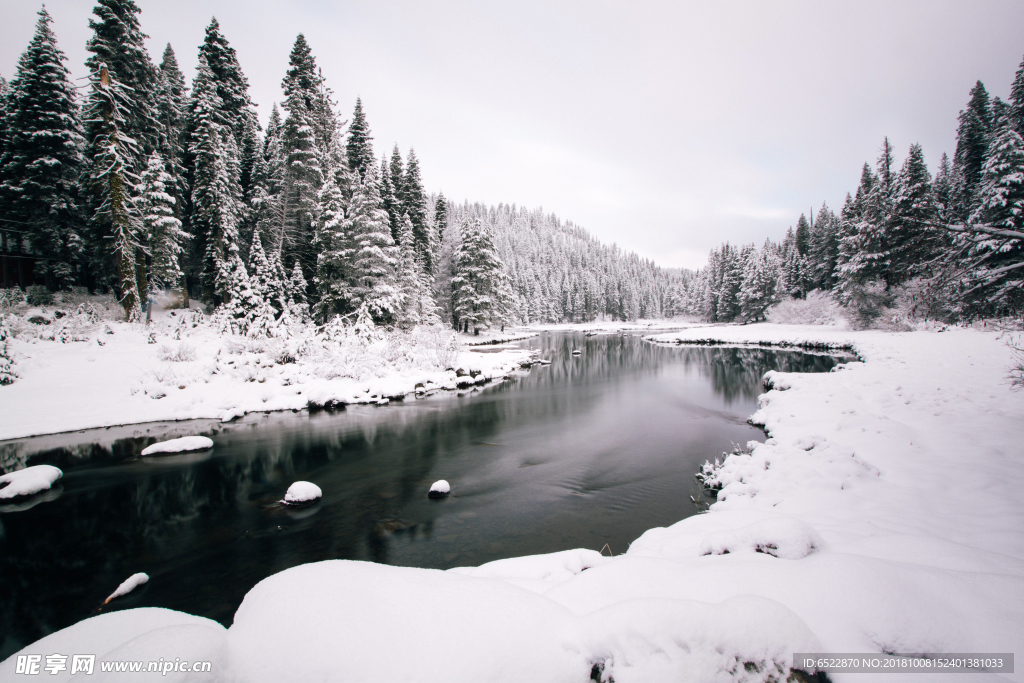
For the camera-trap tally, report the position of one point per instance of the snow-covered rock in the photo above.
(181, 445)
(439, 489)
(302, 492)
(27, 481)
(787, 538)
(128, 585)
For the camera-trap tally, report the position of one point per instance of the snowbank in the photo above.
(96, 372)
(180, 445)
(887, 505)
(28, 481)
(302, 492)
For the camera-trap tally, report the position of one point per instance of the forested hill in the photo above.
(559, 272)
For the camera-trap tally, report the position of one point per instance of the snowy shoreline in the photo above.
(883, 514)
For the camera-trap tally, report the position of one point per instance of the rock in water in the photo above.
(439, 489)
(28, 481)
(302, 493)
(130, 584)
(182, 445)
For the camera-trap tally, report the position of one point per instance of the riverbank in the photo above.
(884, 514)
(83, 369)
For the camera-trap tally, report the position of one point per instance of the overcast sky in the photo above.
(665, 127)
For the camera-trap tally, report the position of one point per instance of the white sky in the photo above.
(666, 127)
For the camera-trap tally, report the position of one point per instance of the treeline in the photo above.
(145, 184)
(946, 248)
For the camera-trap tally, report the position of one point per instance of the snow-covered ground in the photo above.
(884, 514)
(83, 369)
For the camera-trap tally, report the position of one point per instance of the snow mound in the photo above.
(129, 584)
(302, 492)
(787, 538)
(439, 489)
(182, 445)
(30, 480)
(538, 572)
(110, 632)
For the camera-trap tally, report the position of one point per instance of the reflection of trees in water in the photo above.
(736, 372)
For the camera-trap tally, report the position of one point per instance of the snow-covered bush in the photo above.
(37, 295)
(817, 308)
(920, 300)
(180, 354)
(1017, 368)
(9, 298)
(7, 375)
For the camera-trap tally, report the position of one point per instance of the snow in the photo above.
(888, 505)
(128, 585)
(73, 376)
(302, 492)
(440, 488)
(28, 481)
(180, 445)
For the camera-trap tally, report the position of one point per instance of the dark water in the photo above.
(589, 450)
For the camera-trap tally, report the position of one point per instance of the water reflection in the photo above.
(588, 450)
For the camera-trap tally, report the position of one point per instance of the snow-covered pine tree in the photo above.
(943, 188)
(972, 140)
(376, 255)
(303, 173)
(391, 203)
(110, 178)
(913, 238)
(7, 374)
(118, 42)
(171, 104)
(335, 249)
(478, 274)
(824, 249)
(297, 286)
(232, 86)
(440, 216)
(40, 161)
(414, 203)
(760, 276)
(417, 300)
(994, 237)
(359, 145)
(871, 257)
(397, 173)
(161, 226)
(215, 199)
(803, 235)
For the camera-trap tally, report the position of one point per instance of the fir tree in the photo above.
(1017, 100)
(911, 233)
(417, 303)
(110, 178)
(161, 226)
(824, 249)
(971, 146)
(375, 255)
(414, 203)
(171, 103)
(440, 216)
(297, 286)
(397, 174)
(7, 374)
(803, 235)
(391, 202)
(995, 234)
(477, 281)
(760, 278)
(334, 251)
(40, 161)
(359, 147)
(237, 109)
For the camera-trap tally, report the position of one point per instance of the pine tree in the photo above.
(414, 203)
(440, 216)
(110, 178)
(478, 275)
(171, 103)
(375, 255)
(237, 109)
(297, 286)
(7, 374)
(40, 161)
(397, 173)
(391, 203)
(118, 42)
(911, 232)
(215, 192)
(943, 187)
(971, 145)
(824, 249)
(417, 302)
(161, 226)
(359, 147)
(335, 249)
(760, 278)
(995, 234)
(1017, 100)
(803, 235)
